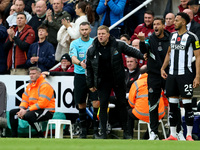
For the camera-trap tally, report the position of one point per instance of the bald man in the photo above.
(136, 44)
(36, 21)
(169, 22)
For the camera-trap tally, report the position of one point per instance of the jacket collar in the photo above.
(37, 81)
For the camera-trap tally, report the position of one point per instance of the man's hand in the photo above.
(45, 73)
(106, 1)
(34, 59)
(141, 36)
(145, 56)
(49, 15)
(83, 64)
(21, 113)
(11, 33)
(33, 8)
(196, 82)
(93, 89)
(163, 74)
(66, 23)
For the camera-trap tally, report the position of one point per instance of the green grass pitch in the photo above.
(90, 144)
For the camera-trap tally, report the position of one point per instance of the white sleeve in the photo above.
(74, 30)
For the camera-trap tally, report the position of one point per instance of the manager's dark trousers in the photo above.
(33, 118)
(104, 91)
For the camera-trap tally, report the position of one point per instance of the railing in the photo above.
(129, 14)
(121, 20)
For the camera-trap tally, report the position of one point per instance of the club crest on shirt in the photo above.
(116, 52)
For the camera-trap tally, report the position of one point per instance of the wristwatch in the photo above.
(79, 63)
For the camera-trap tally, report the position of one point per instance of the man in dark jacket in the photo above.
(156, 48)
(105, 71)
(36, 20)
(41, 53)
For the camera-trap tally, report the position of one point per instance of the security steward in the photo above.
(38, 103)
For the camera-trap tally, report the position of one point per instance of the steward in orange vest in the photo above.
(138, 100)
(38, 103)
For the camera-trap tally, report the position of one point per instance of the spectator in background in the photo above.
(125, 38)
(132, 73)
(146, 27)
(3, 54)
(65, 68)
(69, 7)
(38, 103)
(3, 5)
(136, 44)
(192, 26)
(194, 6)
(138, 101)
(12, 10)
(137, 18)
(169, 22)
(53, 21)
(17, 45)
(36, 20)
(183, 5)
(41, 53)
(28, 4)
(112, 11)
(156, 47)
(19, 8)
(70, 31)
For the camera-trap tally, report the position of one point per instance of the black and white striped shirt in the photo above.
(182, 47)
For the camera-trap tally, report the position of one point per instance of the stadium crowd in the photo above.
(42, 33)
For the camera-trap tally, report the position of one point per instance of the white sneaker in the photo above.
(180, 136)
(153, 136)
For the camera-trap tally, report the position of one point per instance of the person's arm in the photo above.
(25, 100)
(101, 8)
(143, 45)
(116, 8)
(57, 24)
(89, 72)
(131, 51)
(196, 79)
(3, 33)
(27, 41)
(132, 95)
(74, 30)
(30, 53)
(165, 64)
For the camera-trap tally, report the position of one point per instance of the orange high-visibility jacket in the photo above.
(138, 99)
(38, 95)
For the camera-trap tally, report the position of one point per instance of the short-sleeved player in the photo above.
(180, 81)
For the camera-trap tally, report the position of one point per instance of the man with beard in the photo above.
(156, 48)
(180, 81)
